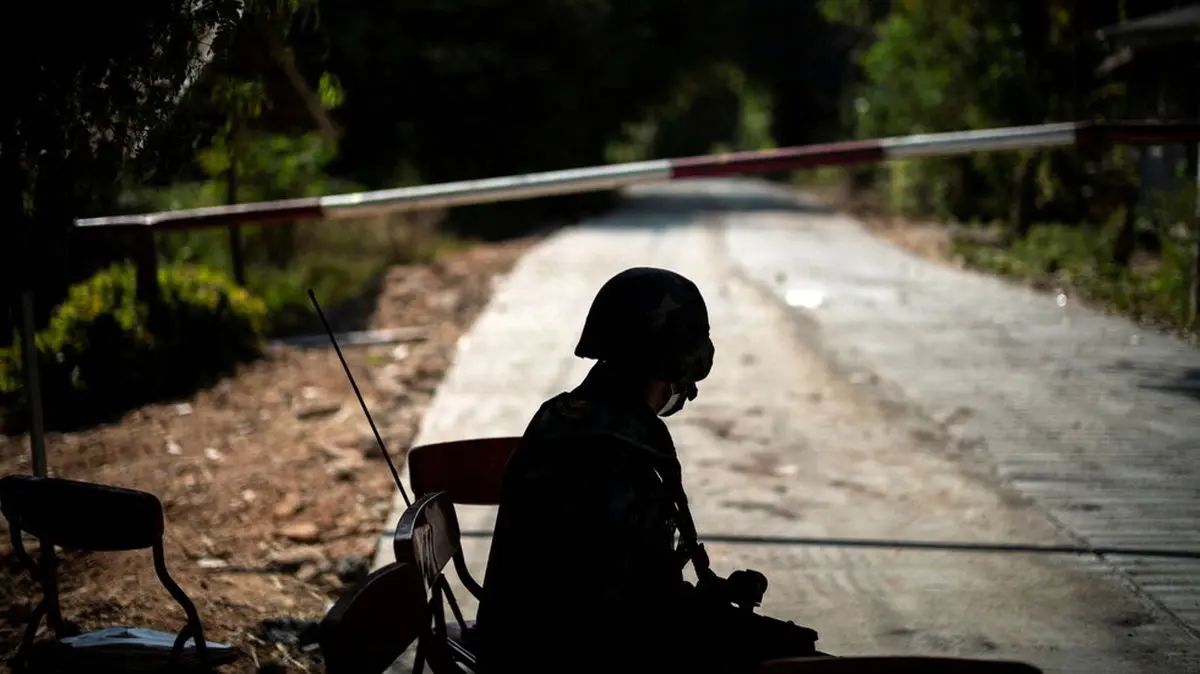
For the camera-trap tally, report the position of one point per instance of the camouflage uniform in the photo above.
(584, 572)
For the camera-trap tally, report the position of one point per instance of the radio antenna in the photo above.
(358, 394)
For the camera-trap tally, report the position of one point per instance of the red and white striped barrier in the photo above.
(600, 178)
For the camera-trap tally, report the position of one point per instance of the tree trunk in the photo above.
(236, 250)
(312, 104)
(1020, 217)
(13, 269)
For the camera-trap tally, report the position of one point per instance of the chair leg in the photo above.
(48, 572)
(448, 656)
(419, 657)
(18, 661)
(454, 610)
(464, 575)
(44, 572)
(185, 633)
(194, 626)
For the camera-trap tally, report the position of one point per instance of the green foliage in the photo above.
(94, 86)
(861, 14)
(716, 110)
(420, 91)
(239, 99)
(84, 103)
(1058, 253)
(272, 166)
(337, 259)
(256, 156)
(939, 65)
(330, 92)
(485, 89)
(1079, 261)
(104, 351)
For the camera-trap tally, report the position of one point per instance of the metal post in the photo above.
(145, 257)
(236, 254)
(605, 178)
(1194, 289)
(33, 385)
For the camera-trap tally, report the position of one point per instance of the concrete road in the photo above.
(825, 421)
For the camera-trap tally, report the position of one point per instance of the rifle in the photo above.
(766, 637)
(744, 589)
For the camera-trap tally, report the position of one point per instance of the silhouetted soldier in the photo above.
(585, 573)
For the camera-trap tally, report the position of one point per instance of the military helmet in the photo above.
(651, 321)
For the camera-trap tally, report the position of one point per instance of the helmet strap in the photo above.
(675, 402)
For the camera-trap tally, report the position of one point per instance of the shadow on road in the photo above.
(681, 203)
(1185, 382)
(705, 202)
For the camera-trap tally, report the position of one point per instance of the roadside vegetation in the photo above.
(306, 98)
(313, 97)
(1085, 224)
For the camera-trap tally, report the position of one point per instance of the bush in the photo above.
(1079, 260)
(104, 351)
(716, 109)
(341, 261)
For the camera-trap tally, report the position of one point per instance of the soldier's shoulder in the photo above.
(572, 425)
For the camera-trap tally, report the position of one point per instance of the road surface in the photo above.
(859, 392)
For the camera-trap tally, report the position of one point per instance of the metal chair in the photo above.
(96, 518)
(427, 537)
(372, 624)
(467, 472)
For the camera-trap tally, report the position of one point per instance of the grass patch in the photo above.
(1078, 261)
(341, 260)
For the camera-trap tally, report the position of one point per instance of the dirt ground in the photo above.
(273, 487)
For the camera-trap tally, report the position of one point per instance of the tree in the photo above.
(84, 95)
(939, 65)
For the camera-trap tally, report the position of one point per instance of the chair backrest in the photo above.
(427, 536)
(468, 471)
(82, 515)
(374, 622)
(895, 665)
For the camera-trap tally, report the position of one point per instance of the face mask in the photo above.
(679, 396)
